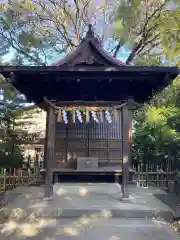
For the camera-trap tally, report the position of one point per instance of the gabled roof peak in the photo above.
(91, 52)
(90, 36)
(90, 32)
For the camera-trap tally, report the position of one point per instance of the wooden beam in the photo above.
(49, 156)
(112, 104)
(47, 69)
(88, 103)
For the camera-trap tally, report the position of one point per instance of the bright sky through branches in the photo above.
(99, 28)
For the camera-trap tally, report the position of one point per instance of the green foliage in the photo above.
(157, 128)
(11, 159)
(153, 32)
(170, 34)
(147, 60)
(11, 154)
(148, 28)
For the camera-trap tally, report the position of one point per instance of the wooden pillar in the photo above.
(125, 151)
(131, 107)
(49, 155)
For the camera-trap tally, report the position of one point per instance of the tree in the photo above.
(11, 155)
(145, 27)
(170, 34)
(141, 26)
(157, 136)
(11, 109)
(38, 30)
(157, 128)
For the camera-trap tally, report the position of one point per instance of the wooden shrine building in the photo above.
(88, 97)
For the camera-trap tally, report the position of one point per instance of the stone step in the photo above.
(37, 183)
(112, 213)
(77, 200)
(87, 229)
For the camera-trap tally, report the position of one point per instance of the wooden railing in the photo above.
(159, 179)
(11, 178)
(149, 175)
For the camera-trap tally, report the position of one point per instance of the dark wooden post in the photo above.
(49, 155)
(125, 151)
(130, 116)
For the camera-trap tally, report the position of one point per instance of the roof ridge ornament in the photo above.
(90, 32)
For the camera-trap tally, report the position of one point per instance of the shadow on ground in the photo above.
(170, 199)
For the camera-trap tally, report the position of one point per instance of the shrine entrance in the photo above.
(91, 140)
(89, 97)
(95, 136)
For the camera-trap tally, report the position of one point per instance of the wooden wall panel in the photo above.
(60, 144)
(115, 144)
(74, 144)
(77, 130)
(97, 144)
(60, 151)
(101, 140)
(105, 130)
(115, 155)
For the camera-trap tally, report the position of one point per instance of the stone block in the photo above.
(4, 215)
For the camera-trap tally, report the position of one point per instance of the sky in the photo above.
(122, 55)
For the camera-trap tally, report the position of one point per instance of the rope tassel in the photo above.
(101, 116)
(87, 116)
(59, 116)
(115, 115)
(73, 116)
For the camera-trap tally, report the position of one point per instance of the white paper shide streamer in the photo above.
(65, 118)
(108, 116)
(79, 116)
(94, 116)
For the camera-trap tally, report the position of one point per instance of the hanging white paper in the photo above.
(94, 116)
(108, 116)
(65, 118)
(79, 116)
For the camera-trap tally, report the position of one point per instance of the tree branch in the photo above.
(148, 42)
(18, 48)
(145, 34)
(117, 48)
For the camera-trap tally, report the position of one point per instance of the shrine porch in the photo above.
(89, 176)
(95, 199)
